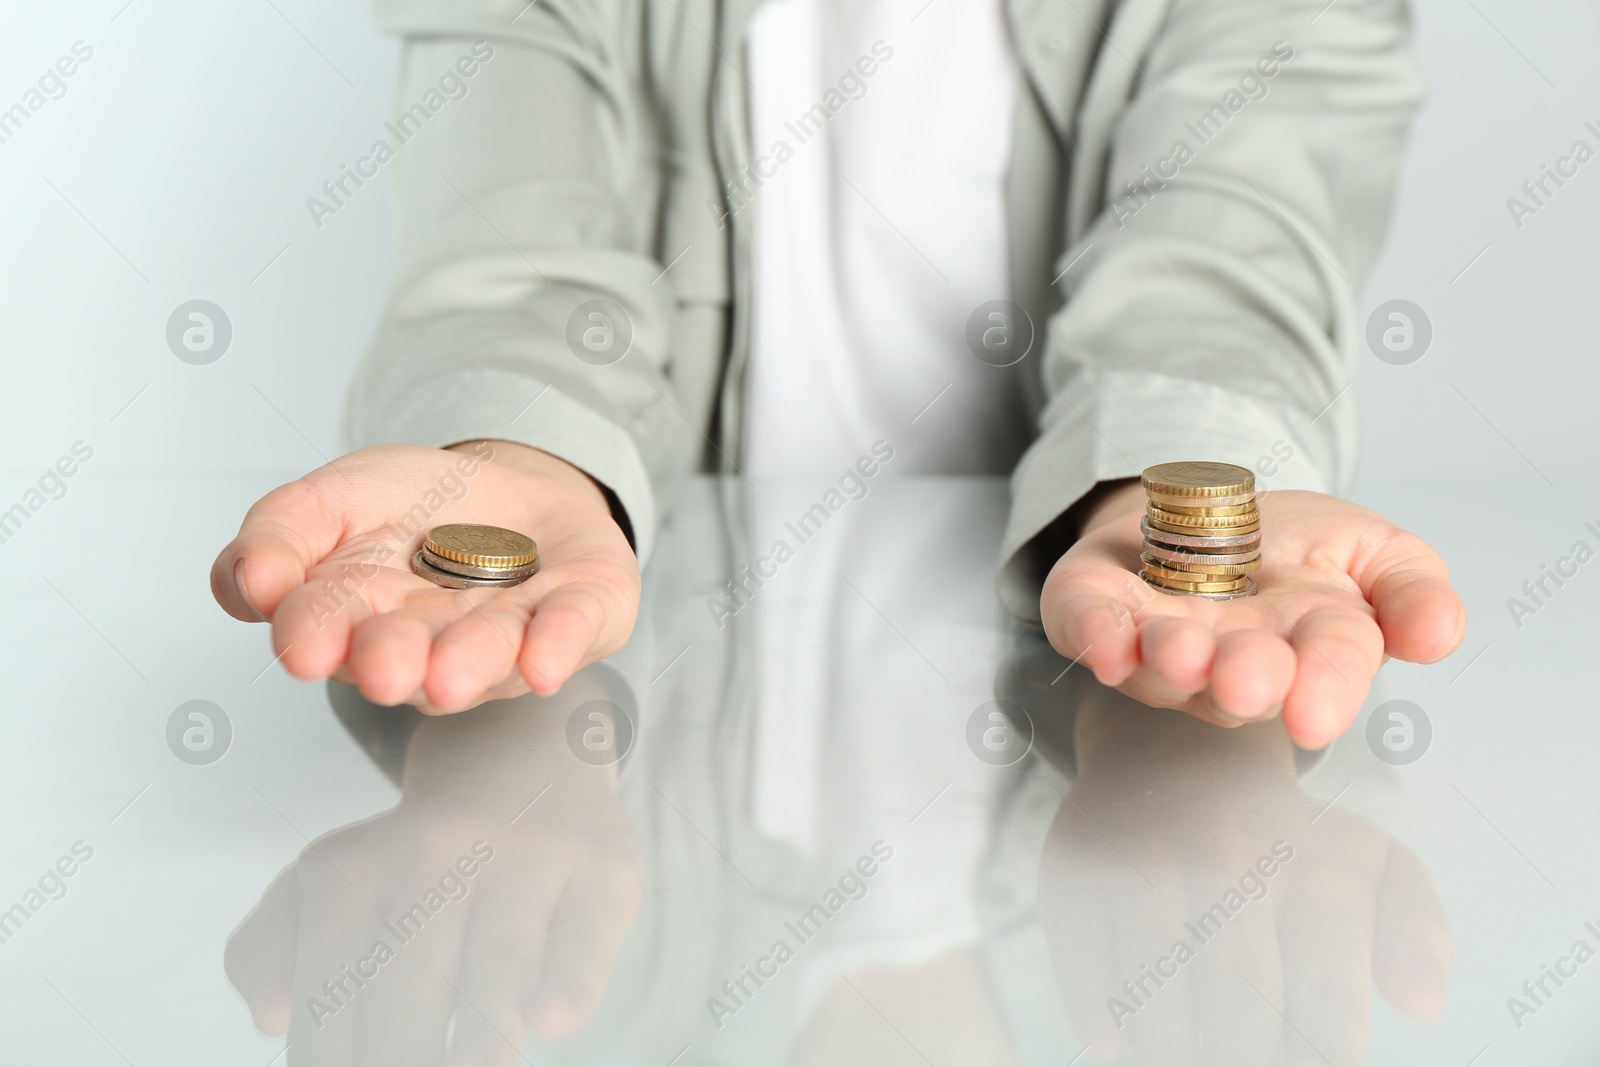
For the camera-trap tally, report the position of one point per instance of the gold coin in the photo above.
(1204, 517)
(1232, 594)
(1178, 503)
(1204, 522)
(1217, 531)
(1209, 510)
(1198, 572)
(481, 546)
(471, 571)
(1232, 585)
(1198, 479)
(1196, 587)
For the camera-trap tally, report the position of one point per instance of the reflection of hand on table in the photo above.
(401, 638)
(1340, 590)
(1189, 813)
(529, 939)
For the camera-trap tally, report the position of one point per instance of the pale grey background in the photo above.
(194, 136)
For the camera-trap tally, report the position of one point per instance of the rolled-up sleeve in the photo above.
(1209, 289)
(518, 201)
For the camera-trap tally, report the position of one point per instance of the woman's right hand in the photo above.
(327, 560)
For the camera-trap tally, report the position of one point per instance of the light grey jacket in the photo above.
(1193, 302)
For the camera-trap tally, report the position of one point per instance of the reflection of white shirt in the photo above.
(856, 733)
(880, 130)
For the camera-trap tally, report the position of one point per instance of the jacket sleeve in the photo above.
(519, 199)
(1232, 170)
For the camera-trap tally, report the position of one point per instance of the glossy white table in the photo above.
(967, 856)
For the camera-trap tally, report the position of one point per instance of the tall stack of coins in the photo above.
(1202, 530)
(463, 555)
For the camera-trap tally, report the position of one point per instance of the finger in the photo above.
(1412, 945)
(565, 626)
(1094, 629)
(325, 1028)
(1252, 673)
(1238, 968)
(389, 655)
(1163, 1028)
(283, 535)
(473, 653)
(260, 954)
(1327, 943)
(586, 933)
(1422, 618)
(1337, 652)
(311, 630)
(1175, 654)
(502, 955)
(405, 1012)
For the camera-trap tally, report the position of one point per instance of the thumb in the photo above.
(260, 955)
(1412, 943)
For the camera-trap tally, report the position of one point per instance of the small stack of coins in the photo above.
(1202, 530)
(463, 555)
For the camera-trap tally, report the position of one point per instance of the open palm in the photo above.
(327, 558)
(1340, 589)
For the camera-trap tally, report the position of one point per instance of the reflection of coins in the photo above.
(1202, 479)
(467, 570)
(481, 546)
(1201, 571)
(422, 568)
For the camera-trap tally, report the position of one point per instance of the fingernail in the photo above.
(244, 591)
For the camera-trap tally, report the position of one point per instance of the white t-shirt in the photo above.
(881, 132)
(854, 333)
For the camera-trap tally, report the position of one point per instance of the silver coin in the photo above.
(1187, 555)
(1178, 540)
(1202, 554)
(468, 570)
(1248, 590)
(455, 581)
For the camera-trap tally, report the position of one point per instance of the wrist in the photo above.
(1109, 501)
(536, 461)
